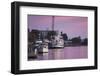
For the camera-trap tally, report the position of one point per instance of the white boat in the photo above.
(44, 48)
(57, 42)
(41, 46)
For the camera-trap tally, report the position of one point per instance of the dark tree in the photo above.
(33, 35)
(65, 37)
(76, 40)
(85, 41)
(28, 30)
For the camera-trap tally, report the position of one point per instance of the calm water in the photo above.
(65, 53)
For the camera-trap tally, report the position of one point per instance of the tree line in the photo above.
(34, 34)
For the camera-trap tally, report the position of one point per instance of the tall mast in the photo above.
(52, 23)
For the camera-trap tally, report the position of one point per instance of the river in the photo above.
(76, 52)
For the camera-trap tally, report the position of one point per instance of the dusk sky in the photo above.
(73, 26)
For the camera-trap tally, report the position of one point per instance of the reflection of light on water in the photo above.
(58, 53)
(64, 53)
(43, 56)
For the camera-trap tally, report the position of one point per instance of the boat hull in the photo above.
(56, 47)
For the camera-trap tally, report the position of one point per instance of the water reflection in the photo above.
(65, 53)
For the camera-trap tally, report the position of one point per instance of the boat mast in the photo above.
(52, 23)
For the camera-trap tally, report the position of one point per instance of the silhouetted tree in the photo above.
(85, 41)
(33, 35)
(65, 37)
(76, 40)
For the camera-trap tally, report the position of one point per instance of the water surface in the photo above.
(77, 52)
